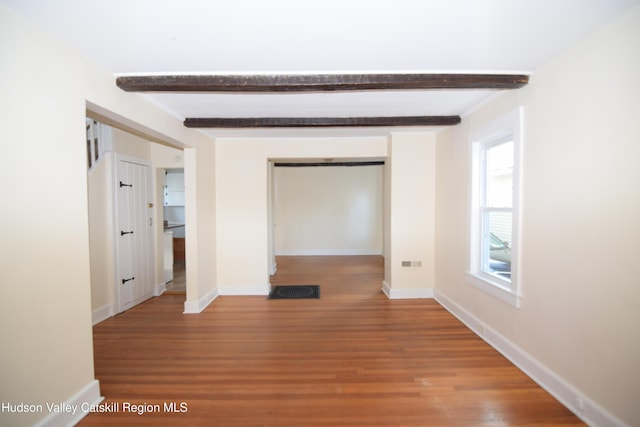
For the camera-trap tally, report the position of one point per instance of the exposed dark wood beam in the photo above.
(318, 82)
(316, 122)
(329, 164)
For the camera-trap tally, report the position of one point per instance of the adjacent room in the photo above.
(447, 190)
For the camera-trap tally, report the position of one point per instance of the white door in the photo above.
(134, 237)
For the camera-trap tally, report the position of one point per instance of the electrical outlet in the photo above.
(416, 264)
(406, 263)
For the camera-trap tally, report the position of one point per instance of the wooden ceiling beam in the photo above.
(328, 164)
(318, 82)
(319, 122)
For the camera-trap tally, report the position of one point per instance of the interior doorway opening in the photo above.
(173, 223)
(326, 211)
(106, 143)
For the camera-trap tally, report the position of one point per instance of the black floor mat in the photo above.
(295, 292)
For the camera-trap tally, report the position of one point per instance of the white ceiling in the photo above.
(321, 36)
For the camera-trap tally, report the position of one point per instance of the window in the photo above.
(494, 216)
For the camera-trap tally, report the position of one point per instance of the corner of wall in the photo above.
(577, 402)
(81, 404)
(195, 307)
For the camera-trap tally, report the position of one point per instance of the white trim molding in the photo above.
(102, 313)
(195, 307)
(82, 401)
(586, 409)
(508, 128)
(249, 290)
(407, 293)
(493, 288)
(159, 289)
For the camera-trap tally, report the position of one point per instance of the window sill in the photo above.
(494, 288)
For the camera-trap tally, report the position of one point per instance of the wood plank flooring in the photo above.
(178, 285)
(350, 358)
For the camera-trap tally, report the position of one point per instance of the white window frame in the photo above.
(505, 128)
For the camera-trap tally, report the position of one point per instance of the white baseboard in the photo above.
(586, 409)
(195, 307)
(102, 313)
(386, 288)
(409, 293)
(159, 289)
(82, 401)
(106, 311)
(245, 290)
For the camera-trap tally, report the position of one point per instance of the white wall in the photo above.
(101, 245)
(242, 200)
(411, 215)
(200, 218)
(166, 157)
(328, 210)
(45, 313)
(242, 232)
(580, 222)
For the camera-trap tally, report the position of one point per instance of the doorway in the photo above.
(106, 146)
(326, 209)
(174, 258)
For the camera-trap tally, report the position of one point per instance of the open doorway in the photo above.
(173, 214)
(323, 209)
(106, 146)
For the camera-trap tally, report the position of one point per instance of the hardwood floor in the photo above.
(179, 283)
(351, 358)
